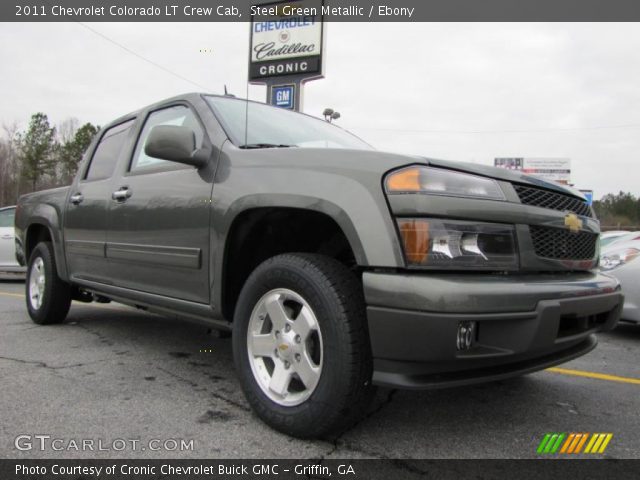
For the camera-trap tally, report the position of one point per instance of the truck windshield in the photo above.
(276, 127)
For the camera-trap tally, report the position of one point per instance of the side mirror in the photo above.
(175, 144)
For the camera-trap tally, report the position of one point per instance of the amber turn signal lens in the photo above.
(415, 236)
(407, 180)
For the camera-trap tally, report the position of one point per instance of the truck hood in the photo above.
(374, 162)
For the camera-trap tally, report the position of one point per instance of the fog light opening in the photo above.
(466, 335)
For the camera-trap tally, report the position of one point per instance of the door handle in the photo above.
(121, 195)
(77, 198)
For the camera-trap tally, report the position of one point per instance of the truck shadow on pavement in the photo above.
(626, 331)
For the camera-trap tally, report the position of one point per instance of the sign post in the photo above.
(286, 49)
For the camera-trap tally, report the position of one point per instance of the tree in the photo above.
(621, 209)
(9, 173)
(72, 149)
(36, 148)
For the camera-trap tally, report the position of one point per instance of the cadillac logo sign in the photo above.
(286, 39)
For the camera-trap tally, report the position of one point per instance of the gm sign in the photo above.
(283, 96)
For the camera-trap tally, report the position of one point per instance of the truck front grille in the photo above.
(561, 244)
(540, 197)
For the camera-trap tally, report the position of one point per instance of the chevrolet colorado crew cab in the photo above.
(336, 267)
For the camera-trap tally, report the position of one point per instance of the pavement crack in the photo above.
(213, 394)
(100, 336)
(40, 363)
(230, 402)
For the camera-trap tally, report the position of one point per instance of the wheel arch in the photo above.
(41, 229)
(316, 226)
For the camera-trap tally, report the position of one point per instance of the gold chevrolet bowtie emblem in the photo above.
(283, 347)
(573, 223)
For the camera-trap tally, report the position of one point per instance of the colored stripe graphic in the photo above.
(557, 444)
(598, 443)
(591, 442)
(581, 443)
(573, 443)
(551, 442)
(604, 445)
(568, 442)
(543, 443)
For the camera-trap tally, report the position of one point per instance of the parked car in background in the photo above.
(8, 262)
(609, 237)
(619, 259)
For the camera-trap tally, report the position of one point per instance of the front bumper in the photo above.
(524, 323)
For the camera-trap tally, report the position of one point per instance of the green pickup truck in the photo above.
(336, 267)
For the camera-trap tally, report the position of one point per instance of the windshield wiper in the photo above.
(265, 145)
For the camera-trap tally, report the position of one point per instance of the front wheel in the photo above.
(301, 346)
(48, 297)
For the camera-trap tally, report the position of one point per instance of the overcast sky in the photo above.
(465, 91)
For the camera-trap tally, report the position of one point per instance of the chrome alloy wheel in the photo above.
(36, 283)
(284, 344)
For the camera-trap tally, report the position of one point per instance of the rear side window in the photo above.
(7, 217)
(107, 152)
(179, 115)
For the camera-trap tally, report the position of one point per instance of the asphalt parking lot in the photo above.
(112, 372)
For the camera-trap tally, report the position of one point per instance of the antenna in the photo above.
(246, 117)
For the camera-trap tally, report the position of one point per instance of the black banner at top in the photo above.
(334, 10)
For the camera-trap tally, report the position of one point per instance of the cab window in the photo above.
(105, 157)
(179, 115)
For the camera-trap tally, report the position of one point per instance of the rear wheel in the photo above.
(48, 297)
(301, 345)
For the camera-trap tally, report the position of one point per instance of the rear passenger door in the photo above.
(158, 235)
(85, 219)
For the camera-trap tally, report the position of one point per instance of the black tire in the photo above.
(56, 298)
(344, 387)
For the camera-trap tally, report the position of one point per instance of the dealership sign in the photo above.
(286, 40)
(550, 169)
(283, 96)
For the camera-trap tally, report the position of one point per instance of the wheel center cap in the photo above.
(286, 347)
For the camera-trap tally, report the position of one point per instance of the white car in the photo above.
(612, 236)
(620, 260)
(8, 262)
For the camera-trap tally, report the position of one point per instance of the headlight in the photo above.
(617, 258)
(443, 244)
(438, 181)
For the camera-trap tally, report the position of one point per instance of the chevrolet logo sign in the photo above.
(283, 347)
(573, 223)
